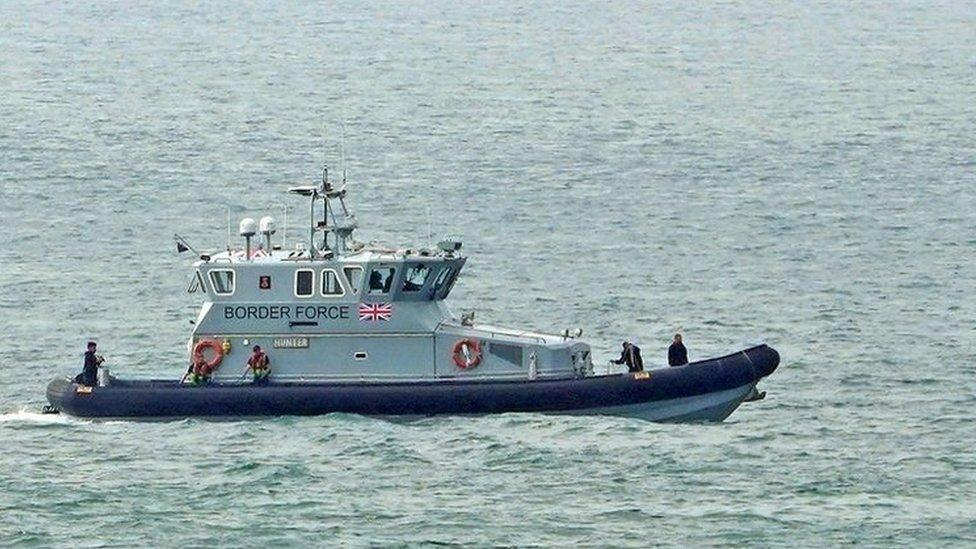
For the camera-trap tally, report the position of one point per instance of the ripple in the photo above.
(632, 172)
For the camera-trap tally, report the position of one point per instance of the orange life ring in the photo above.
(208, 365)
(467, 353)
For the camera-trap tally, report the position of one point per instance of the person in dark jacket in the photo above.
(89, 372)
(631, 357)
(677, 354)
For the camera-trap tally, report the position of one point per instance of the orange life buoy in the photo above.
(216, 347)
(467, 353)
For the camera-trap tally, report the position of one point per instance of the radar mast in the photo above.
(336, 219)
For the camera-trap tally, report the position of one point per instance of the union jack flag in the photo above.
(371, 312)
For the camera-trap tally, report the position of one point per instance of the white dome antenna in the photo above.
(248, 229)
(268, 227)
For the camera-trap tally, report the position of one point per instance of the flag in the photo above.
(371, 312)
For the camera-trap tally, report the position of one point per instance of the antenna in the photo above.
(326, 189)
(228, 228)
(342, 151)
(429, 231)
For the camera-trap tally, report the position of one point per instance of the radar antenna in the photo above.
(330, 222)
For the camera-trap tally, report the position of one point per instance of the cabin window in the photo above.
(196, 285)
(445, 283)
(355, 277)
(441, 279)
(331, 285)
(450, 283)
(416, 277)
(304, 286)
(222, 281)
(381, 279)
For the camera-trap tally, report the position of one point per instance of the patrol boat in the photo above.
(364, 329)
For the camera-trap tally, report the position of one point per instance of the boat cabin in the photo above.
(333, 308)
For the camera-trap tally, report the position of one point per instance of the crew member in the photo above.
(375, 282)
(677, 354)
(259, 365)
(631, 356)
(200, 372)
(89, 372)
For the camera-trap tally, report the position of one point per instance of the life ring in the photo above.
(216, 347)
(467, 354)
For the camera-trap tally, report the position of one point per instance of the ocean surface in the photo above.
(797, 173)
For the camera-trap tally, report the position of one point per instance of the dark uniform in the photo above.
(631, 356)
(677, 354)
(89, 373)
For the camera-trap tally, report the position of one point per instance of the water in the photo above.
(799, 174)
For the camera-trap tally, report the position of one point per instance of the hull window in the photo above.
(416, 277)
(381, 279)
(331, 286)
(304, 286)
(222, 282)
(355, 277)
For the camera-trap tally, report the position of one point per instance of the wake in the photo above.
(25, 415)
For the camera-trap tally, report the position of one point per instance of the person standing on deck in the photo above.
(631, 357)
(260, 365)
(89, 372)
(677, 353)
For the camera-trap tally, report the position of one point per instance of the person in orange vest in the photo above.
(260, 365)
(199, 372)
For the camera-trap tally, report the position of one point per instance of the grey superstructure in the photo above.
(332, 308)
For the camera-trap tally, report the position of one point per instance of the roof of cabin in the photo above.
(364, 255)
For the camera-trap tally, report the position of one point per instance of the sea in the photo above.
(740, 171)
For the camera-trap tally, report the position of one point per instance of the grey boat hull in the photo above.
(709, 390)
(709, 407)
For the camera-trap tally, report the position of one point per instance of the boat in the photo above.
(357, 328)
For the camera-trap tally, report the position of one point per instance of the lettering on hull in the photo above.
(290, 343)
(286, 312)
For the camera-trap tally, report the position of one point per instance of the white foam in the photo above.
(27, 416)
